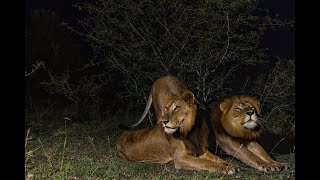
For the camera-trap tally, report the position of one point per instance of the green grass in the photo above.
(70, 150)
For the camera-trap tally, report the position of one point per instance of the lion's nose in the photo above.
(250, 113)
(165, 122)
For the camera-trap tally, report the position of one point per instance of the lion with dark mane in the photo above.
(236, 124)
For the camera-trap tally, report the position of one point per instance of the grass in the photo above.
(71, 150)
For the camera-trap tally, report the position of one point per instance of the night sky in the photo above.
(280, 43)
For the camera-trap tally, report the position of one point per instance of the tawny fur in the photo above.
(153, 145)
(166, 91)
(229, 119)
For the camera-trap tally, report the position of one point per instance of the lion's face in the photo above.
(245, 114)
(241, 116)
(179, 114)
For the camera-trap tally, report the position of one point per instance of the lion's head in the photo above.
(240, 116)
(179, 114)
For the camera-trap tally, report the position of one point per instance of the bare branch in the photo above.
(38, 65)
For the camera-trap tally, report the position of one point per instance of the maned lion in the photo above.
(167, 92)
(158, 144)
(235, 122)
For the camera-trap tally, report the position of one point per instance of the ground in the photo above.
(86, 150)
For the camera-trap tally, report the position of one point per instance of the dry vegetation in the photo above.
(72, 150)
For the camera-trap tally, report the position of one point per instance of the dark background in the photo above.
(279, 43)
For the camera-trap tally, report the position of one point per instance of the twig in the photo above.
(38, 65)
(227, 47)
(277, 144)
(64, 144)
(233, 158)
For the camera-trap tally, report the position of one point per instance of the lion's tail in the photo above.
(146, 109)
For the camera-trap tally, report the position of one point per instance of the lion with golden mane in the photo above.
(174, 138)
(235, 122)
(169, 92)
(180, 145)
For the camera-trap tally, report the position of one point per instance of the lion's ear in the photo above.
(189, 97)
(224, 105)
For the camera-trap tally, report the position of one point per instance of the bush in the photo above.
(213, 44)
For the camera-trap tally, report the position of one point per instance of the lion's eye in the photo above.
(177, 108)
(238, 109)
(254, 109)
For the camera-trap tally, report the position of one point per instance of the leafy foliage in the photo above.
(203, 41)
(277, 95)
(213, 44)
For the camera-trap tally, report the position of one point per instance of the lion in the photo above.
(163, 143)
(236, 125)
(165, 92)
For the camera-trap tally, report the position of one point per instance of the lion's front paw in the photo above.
(281, 166)
(274, 166)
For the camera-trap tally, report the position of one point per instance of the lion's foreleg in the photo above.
(258, 150)
(241, 152)
(209, 156)
(189, 162)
